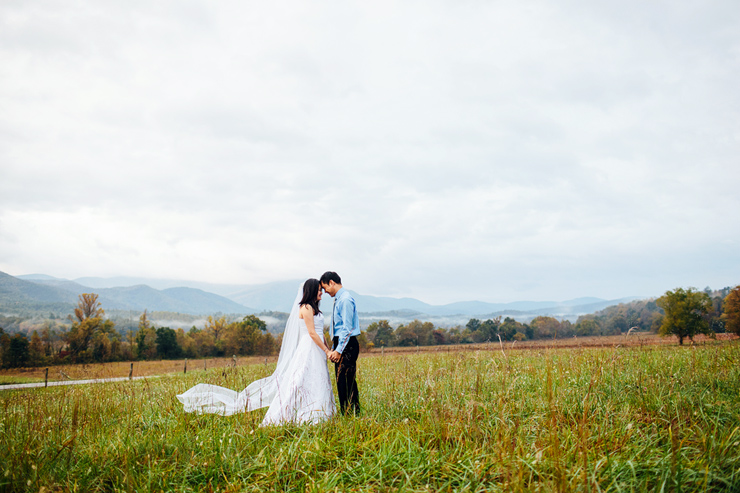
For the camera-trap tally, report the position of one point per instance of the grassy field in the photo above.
(123, 368)
(162, 367)
(618, 418)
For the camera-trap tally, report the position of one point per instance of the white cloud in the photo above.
(444, 150)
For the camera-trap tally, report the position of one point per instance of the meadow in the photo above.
(618, 418)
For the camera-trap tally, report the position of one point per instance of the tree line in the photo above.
(92, 337)
(681, 312)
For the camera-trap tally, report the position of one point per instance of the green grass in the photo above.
(624, 419)
(14, 379)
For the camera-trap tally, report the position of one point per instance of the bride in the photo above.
(299, 391)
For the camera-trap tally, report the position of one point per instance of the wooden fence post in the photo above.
(46, 377)
(234, 358)
(131, 372)
(186, 366)
(204, 364)
(382, 351)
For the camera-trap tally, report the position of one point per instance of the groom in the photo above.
(345, 327)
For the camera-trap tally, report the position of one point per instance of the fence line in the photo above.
(17, 386)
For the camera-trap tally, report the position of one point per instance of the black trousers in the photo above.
(345, 372)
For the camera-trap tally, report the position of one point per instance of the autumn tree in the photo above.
(36, 350)
(245, 337)
(381, 333)
(48, 337)
(488, 330)
(146, 338)
(509, 328)
(102, 346)
(685, 313)
(732, 311)
(439, 336)
(4, 347)
(545, 327)
(406, 336)
(587, 327)
(364, 342)
(186, 343)
(617, 324)
(473, 325)
(203, 342)
(423, 331)
(216, 327)
(717, 319)
(88, 324)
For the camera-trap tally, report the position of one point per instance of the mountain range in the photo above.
(130, 293)
(37, 290)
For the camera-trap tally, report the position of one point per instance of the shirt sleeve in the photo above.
(346, 311)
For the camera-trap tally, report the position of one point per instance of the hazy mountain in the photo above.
(371, 304)
(183, 300)
(14, 290)
(37, 277)
(196, 297)
(276, 296)
(46, 289)
(121, 281)
(558, 310)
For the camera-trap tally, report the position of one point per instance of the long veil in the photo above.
(207, 398)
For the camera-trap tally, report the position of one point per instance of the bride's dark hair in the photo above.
(310, 293)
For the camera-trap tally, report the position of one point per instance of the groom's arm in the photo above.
(346, 311)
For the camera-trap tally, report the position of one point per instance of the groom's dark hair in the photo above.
(330, 276)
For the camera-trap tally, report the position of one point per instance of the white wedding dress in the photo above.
(299, 391)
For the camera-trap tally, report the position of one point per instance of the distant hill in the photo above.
(14, 291)
(480, 309)
(276, 296)
(196, 297)
(122, 281)
(36, 290)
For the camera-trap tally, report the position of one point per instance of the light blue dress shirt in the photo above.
(344, 319)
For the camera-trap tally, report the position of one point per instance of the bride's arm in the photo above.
(307, 313)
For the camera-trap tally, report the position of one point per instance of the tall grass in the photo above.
(624, 419)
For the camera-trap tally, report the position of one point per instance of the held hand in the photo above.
(335, 356)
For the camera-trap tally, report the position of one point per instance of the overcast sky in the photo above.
(444, 150)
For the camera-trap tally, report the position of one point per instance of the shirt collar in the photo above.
(340, 293)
